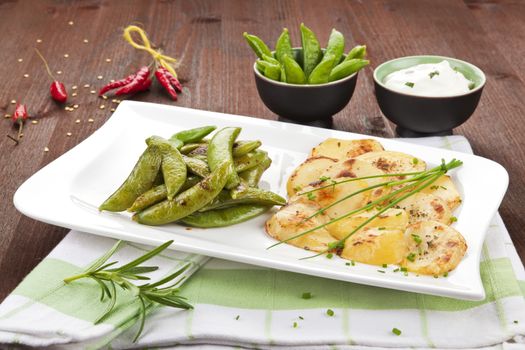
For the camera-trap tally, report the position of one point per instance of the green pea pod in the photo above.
(249, 160)
(141, 179)
(259, 66)
(252, 176)
(283, 46)
(347, 68)
(173, 167)
(225, 217)
(220, 151)
(196, 166)
(270, 59)
(283, 74)
(240, 148)
(190, 147)
(270, 70)
(312, 53)
(250, 196)
(202, 150)
(188, 201)
(193, 135)
(358, 51)
(336, 46)
(159, 193)
(258, 46)
(294, 72)
(321, 73)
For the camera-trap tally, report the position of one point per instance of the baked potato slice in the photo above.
(290, 221)
(433, 248)
(393, 162)
(358, 168)
(344, 149)
(326, 196)
(310, 171)
(445, 189)
(390, 219)
(424, 206)
(376, 246)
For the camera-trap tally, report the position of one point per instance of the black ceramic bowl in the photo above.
(420, 115)
(305, 103)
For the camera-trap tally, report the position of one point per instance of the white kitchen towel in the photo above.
(239, 305)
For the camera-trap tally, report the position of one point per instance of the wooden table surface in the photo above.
(215, 67)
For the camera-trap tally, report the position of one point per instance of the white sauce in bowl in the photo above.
(432, 79)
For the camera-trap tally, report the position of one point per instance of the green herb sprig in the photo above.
(416, 183)
(147, 294)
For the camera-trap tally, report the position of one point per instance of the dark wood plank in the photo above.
(215, 66)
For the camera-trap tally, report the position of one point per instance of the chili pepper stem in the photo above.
(20, 128)
(45, 63)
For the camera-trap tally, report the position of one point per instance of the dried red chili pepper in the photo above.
(163, 79)
(136, 84)
(57, 89)
(19, 117)
(116, 84)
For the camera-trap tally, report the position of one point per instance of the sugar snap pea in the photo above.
(347, 68)
(249, 160)
(252, 176)
(141, 179)
(188, 201)
(258, 46)
(202, 150)
(283, 46)
(336, 46)
(240, 148)
(249, 196)
(270, 70)
(159, 193)
(220, 151)
(294, 72)
(312, 53)
(321, 73)
(196, 166)
(173, 167)
(193, 135)
(187, 148)
(358, 51)
(225, 217)
(270, 59)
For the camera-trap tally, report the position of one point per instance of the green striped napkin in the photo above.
(239, 305)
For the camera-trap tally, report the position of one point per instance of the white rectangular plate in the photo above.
(68, 191)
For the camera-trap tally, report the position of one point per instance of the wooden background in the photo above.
(215, 67)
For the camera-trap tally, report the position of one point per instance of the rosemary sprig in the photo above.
(147, 294)
(419, 181)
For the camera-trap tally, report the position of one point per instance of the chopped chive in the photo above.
(415, 161)
(352, 262)
(385, 265)
(433, 74)
(301, 317)
(404, 269)
(329, 256)
(453, 219)
(516, 321)
(347, 264)
(471, 86)
(381, 271)
(405, 273)
(399, 213)
(324, 178)
(411, 257)
(306, 295)
(417, 239)
(330, 312)
(434, 187)
(310, 196)
(295, 325)
(396, 331)
(409, 84)
(381, 228)
(297, 188)
(396, 270)
(445, 274)
(237, 317)
(436, 276)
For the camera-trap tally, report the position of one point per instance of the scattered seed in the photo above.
(104, 97)
(70, 23)
(20, 60)
(108, 60)
(86, 41)
(59, 72)
(7, 115)
(13, 102)
(90, 120)
(114, 101)
(69, 134)
(102, 106)
(75, 106)
(100, 77)
(34, 121)
(77, 121)
(74, 94)
(46, 149)
(112, 81)
(93, 91)
(112, 109)
(39, 40)
(74, 87)
(86, 85)
(26, 75)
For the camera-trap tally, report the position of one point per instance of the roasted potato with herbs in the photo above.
(309, 172)
(344, 149)
(445, 189)
(424, 206)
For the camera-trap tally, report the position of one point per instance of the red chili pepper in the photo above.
(146, 85)
(116, 84)
(165, 82)
(137, 83)
(57, 89)
(19, 116)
